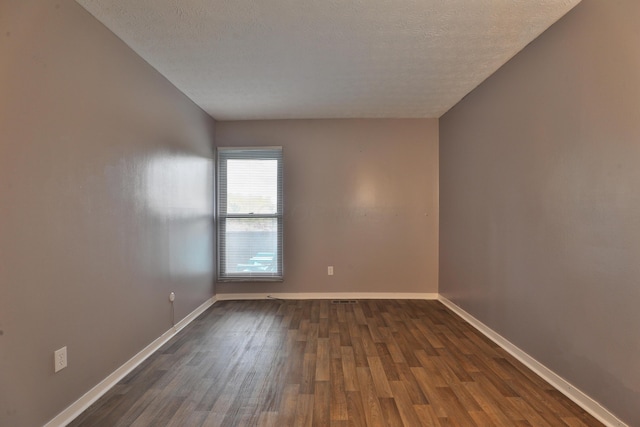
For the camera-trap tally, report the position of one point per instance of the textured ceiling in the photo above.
(273, 59)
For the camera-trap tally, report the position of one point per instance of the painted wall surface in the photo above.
(540, 202)
(360, 195)
(105, 205)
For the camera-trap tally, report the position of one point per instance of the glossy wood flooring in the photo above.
(314, 363)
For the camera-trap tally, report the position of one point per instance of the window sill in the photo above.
(252, 279)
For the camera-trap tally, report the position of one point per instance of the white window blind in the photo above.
(250, 213)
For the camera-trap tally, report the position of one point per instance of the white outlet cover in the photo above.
(60, 359)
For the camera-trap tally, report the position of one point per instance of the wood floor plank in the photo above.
(464, 397)
(427, 415)
(500, 399)
(268, 419)
(429, 389)
(307, 383)
(370, 402)
(390, 412)
(481, 419)
(323, 328)
(388, 365)
(321, 403)
(404, 404)
(334, 345)
(355, 408)
(345, 336)
(314, 363)
(488, 405)
(368, 345)
(322, 360)
(358, 351)
(411, 385)
(573, 422)
(349, 369)
(338, 410)
(289, 405)
(454, 408)
(528, 412)
(304, 412)
(431, 370)
(380, 379)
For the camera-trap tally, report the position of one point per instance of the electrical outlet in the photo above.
(60, 359)
(330, 270)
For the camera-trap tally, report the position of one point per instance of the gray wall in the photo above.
(540, 202)
(361, 195)
(105, 205)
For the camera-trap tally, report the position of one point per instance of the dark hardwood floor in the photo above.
(303, 363)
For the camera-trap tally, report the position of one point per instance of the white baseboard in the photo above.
(562, 385)
(80, 405)
(328, 295)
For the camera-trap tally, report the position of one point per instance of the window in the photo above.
(250, 213)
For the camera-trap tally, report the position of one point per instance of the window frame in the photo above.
(239, 153)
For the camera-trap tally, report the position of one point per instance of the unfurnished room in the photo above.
(319, 213)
